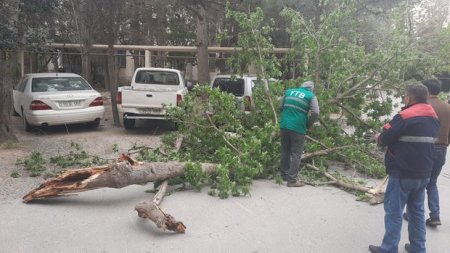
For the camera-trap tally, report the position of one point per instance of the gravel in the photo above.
(53, 141)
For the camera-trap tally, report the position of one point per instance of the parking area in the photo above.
(56, 140)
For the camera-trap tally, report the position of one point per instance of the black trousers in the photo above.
(292, 145)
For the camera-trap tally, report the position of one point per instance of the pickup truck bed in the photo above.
(147, 97)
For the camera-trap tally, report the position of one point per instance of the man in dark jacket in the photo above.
(410, 138)
(442, 110)
(295, 107)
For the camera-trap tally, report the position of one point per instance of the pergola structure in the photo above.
(161, 48)
(147, 50)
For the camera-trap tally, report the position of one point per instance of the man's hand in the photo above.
(370, 137)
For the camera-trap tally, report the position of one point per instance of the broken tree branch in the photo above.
(338, 182)
(323, 152)
(178, 142)
(223, 136)
(361, 83)
(376, 196)
(151, 210)
(161, 193)
(354, 115)
(117, 175)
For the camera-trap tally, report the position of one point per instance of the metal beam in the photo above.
(162, 48)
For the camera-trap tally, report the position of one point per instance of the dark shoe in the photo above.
(405, 216)
(433, 222)
(408, 247)
(376, 249)
(295, 184)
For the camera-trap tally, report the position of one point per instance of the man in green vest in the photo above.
(295, 106)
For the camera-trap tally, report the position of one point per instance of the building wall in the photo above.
(126, 74)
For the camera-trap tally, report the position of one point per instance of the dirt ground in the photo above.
(53, 141)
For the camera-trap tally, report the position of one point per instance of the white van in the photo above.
(240, 86)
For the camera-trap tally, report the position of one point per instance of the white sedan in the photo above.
(45, 99)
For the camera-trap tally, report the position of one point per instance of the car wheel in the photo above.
(94, 124)
(26, 126)
(128, 123)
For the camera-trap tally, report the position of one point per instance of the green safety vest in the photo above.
(295, 109)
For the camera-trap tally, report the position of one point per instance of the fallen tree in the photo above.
(117, 175)
(128, 171)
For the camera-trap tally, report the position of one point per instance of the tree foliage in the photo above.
(358, 70)
(356, 88)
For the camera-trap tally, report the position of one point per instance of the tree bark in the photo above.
(112, 80)
(7, 62)
(151, 210)
(117, 175)
(202, 47)
(135, 29)
(84, 39)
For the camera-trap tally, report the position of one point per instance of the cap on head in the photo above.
(308, 84)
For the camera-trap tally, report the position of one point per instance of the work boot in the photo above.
(376, 249)
(297, 183)
(405, 216)
(433, 222)
(408, 247)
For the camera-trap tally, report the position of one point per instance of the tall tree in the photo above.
(202, 10)
(8, 45)
(82, 20)
(21, 24)
(110, 20)
(202, 46)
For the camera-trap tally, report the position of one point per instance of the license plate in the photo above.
(151, 110)
(73, 103)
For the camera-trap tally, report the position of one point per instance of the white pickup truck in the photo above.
(151, 90)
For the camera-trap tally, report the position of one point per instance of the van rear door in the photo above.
(236, 87)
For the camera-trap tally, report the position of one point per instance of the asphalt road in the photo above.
(273, 219)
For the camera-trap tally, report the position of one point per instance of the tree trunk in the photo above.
(319, 4)
(135, 29)
(106, 73)
(161, 36)
(112, 80)
(117, 175)
(202, 47)
(317, 21)
(84, 38)
(318, 54)
(86, 62)
(7, 63)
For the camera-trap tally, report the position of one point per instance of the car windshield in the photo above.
(157, 77)
(256, 83)
(49, 84)
(235, 87)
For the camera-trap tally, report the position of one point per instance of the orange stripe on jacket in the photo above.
(418, 110)
(387, 126)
